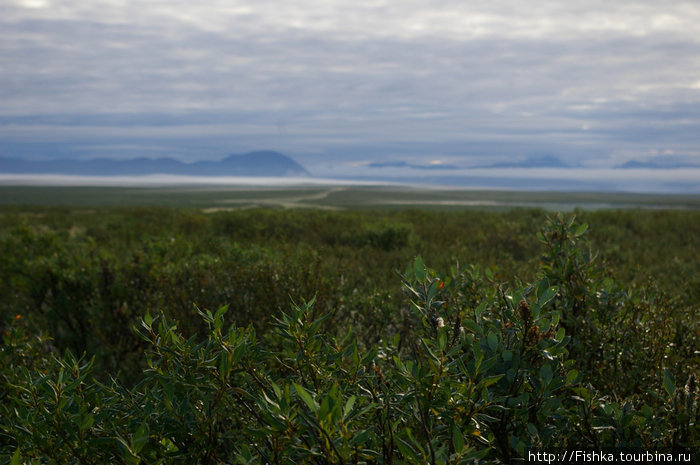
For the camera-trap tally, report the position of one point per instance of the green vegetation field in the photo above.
(333, 197)
(155, 326)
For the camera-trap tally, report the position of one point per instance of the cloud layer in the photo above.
(594, 83)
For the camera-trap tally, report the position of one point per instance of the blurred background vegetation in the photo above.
(88, 275)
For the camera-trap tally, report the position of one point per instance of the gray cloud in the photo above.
(336, 82)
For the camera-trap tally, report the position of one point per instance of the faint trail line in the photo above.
(298, 201)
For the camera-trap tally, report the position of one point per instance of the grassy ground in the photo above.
(228, 198)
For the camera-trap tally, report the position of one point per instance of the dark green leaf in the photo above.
(571, 376)
(492, 340)
(669, 383)
(419, 269)
(140, 438)
(306, 397)
(16, 458)
(547, 295)
(457, 439)
(581, 229)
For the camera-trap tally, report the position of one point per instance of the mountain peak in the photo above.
(259, 163)
(264, 163)
(267, 154)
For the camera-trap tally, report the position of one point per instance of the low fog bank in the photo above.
(673, 181)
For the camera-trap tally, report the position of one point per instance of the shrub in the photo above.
(475, 371)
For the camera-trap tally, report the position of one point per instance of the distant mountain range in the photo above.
(403, 164)
(532, 161)
(535, 161)
(263, 163)
(657, 165)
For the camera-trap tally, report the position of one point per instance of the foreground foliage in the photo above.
(471, 369)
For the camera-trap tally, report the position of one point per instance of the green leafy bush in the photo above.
(470, 370)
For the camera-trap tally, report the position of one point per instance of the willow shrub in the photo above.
(478, 372)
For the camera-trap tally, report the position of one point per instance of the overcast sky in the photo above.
(334, 82)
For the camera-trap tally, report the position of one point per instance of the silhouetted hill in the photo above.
(263, 163)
